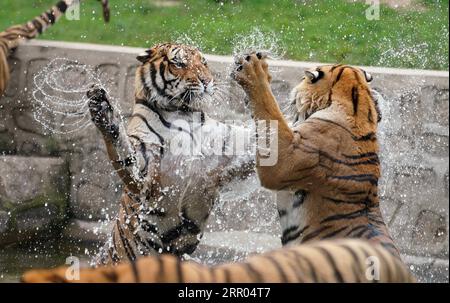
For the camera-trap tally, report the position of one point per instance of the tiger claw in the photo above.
(101, 111)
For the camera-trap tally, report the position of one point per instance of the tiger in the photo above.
(324, 251)
(327, 261)
(328, 160)
(169, 191)
(15, 35)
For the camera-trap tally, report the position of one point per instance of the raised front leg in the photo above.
(136, 163)
(298, 162)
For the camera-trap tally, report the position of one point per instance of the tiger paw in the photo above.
(102, 113)
(252, 71)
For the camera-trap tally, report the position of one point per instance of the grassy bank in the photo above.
(322, 31)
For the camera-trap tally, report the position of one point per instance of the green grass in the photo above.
(322, 31)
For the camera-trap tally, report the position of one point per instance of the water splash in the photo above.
(257, 40)
(60, 93)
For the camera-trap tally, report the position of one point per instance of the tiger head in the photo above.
(173, 76)
(340, 85)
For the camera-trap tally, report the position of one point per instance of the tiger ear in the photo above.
(368, 76)
(315, 75)
(312, 75)
(143, 57)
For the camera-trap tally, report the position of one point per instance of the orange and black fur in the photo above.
(329, 159)
(169, 192)
(13, 36)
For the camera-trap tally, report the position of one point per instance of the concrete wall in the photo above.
(414, 137)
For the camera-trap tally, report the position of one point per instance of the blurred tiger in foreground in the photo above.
(13, 36)
(329, 160)
(341, 260)
(172, 157)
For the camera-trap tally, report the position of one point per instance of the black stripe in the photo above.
(390, 247)
(37, 25)
(147, 226)
(331, 260)
(166, 123)
(50, 16)
(361, 228)
(157, 212)
(367, 137)
(334, 233)
(338, 77)
(278, 267)
(289, 230)
(282, 212)
(126, 245)
(354, 262)
(338, 201)
(186, 226)
(149, 244)
(111, 276)
(135, 271)
(179, 271)
(161, 139)
(315, 233)
(312, 268)
(227, 274)
(299, 198)
(255, 276)
(144, 83)
(289, 238)
(115, 247)
(355, 99)
(172, 234)
(363, 155)
(62, 6)
(153, 72)
(150, 106)
(358, 178)
(352, 215)
(371, 161)
(161, 268)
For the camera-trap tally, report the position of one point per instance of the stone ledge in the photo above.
(229, 59)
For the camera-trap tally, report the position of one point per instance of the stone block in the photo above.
(33, 196)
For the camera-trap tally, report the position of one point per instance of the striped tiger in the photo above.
(329, 159)
(343, 260)
(13, 36)
(169, 190)
(333, 256)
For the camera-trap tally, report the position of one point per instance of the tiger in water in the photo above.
(329, 160)
(333, 230)
(13, 36)
(169, 189)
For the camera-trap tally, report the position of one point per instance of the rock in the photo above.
(33, 195)
(88, 231)
(428, 270)
(4, 220)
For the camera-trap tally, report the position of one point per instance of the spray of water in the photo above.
(61, 104)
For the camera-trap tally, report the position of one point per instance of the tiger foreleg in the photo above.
(252, 74)
(102, 114)
(120, 150)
